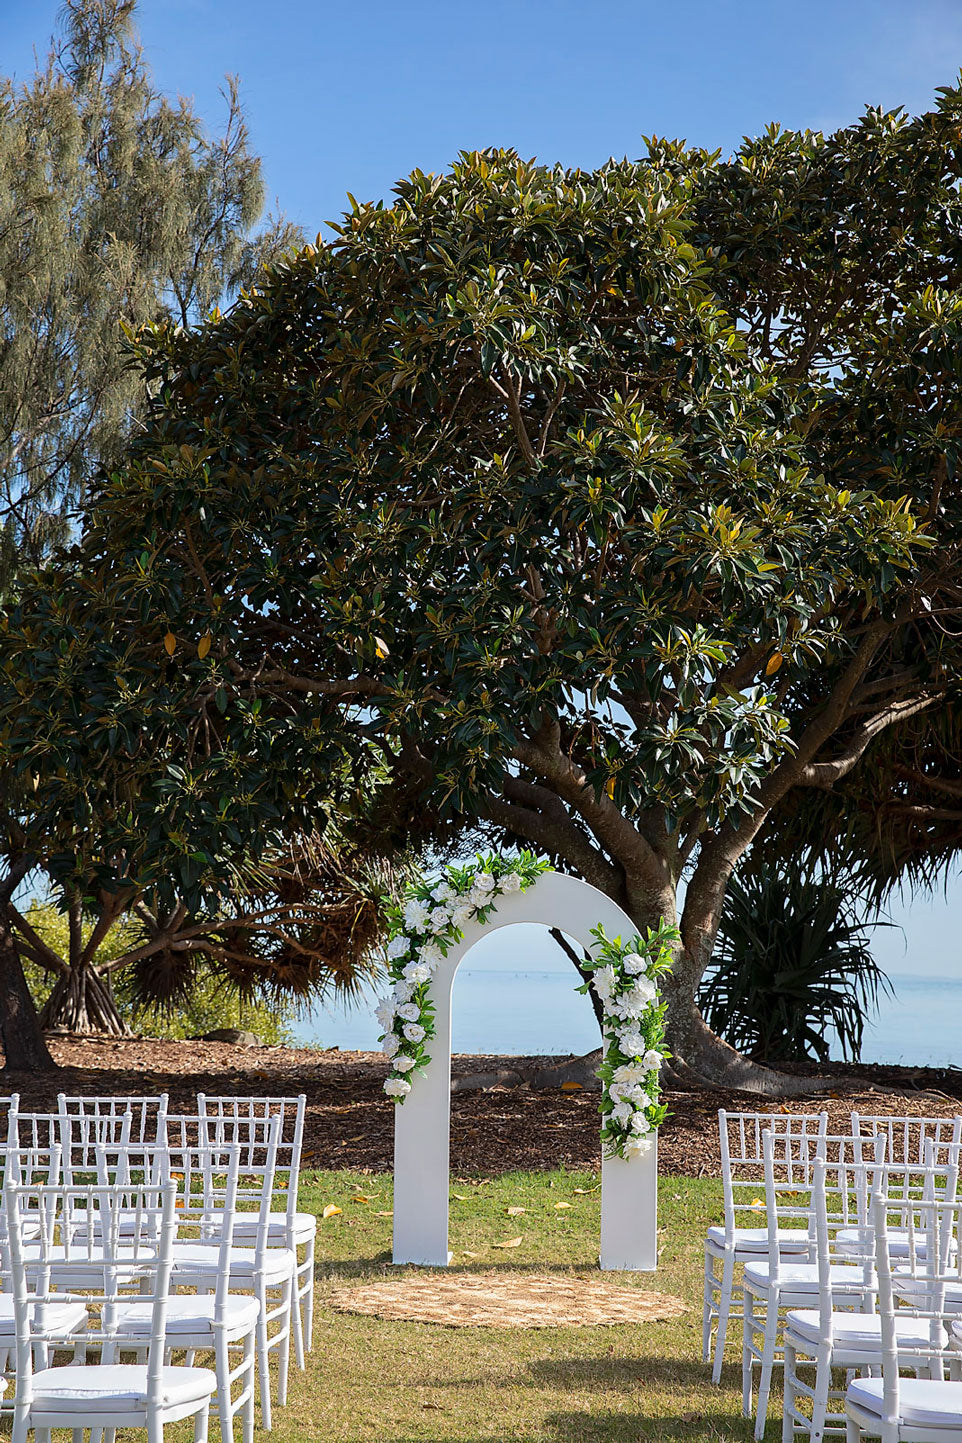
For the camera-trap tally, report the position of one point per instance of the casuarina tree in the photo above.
(605, 509)
(116, 207)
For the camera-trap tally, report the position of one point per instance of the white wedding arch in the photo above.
(420, 1012)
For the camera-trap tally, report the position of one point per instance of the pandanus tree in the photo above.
(607, 510)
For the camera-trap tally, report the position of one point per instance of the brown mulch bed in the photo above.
(350, 1122)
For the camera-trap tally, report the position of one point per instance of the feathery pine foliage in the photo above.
(606, 509)
(116, 207)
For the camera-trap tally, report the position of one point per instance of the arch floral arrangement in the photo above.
(431, 920)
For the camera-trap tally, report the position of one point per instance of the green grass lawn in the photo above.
(370, 1381)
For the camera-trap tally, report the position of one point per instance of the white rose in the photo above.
(384, 1012)
(511, 882)
(403, 992)
(397, 947)
(640, 1123)
(403, 1064)
(415, 915)
(604, 981)
(634, 962)
(636, 1145)
(409, 1012)
(652, 1060)
(631, 1042)
(461, 914)
(483, 883)
(439, 919)
(431, 955)
(390, 1045)
(622, 1111)
(629, 1072)
(413, 1031)
(417, 973)
(396, 1087)
(443, 892)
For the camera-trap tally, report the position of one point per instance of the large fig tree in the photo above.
(605, 509)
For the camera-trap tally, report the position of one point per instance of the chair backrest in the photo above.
(147, 1112)
(906, 1137)
(291, 1112)
(200, 1153)
(34, 1145)
(106, 1271)
(933, 1266)
(843, 1167)
(743, 1164)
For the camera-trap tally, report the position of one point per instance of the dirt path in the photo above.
(350, 1122)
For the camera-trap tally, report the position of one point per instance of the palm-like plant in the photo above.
(792, 963)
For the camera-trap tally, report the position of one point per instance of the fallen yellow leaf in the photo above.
(562, 1205)
(466, 1254)
(330, 1211)
(360, 1198)
(515, 1212)
(509, 1243)
(384, 1215)
(460, 1196)
(571, 1087)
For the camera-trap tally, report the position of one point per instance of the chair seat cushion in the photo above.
(755, 1240)
(188, 1314)
(857, 1330)
(192, 1259)
(58, 1318)
(305, 1226)
(861, 1241)
(803, 1277)
(923, 1401)
(115, 1387)
(915, 1291)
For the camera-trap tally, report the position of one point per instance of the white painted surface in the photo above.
(422, 1124)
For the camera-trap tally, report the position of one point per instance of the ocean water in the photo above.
(515, 994)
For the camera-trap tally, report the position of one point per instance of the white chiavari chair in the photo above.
(147, 1112)
(267, 1272)
(774, 1284)
(919, 1409)
(289, 1228)
(743, 1237)
(220, 1322)
(824, 1338)
(110, 1394)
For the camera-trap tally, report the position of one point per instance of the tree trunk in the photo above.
(82, 1001)
(24, 1048)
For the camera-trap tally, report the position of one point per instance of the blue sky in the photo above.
(344, 97)
(347, 96)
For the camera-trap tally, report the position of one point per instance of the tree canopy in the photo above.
(116, 207)
(606, 509)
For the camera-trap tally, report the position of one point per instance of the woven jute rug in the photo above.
(506, 1300)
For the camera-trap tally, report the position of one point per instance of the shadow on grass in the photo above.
(632, 1427)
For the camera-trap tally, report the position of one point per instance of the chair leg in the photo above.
(708, 1298)
(284, 1353)
(748, 1344)
(309, 1296)
(770, 1339)
(250, 1375)
(298, 1322)
(788, 1395)
(155, 1429)
(222, 1370)
(724, 1309)
(263, 1368)
(201, 1422)
(853, 1433)
(823, 1385)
